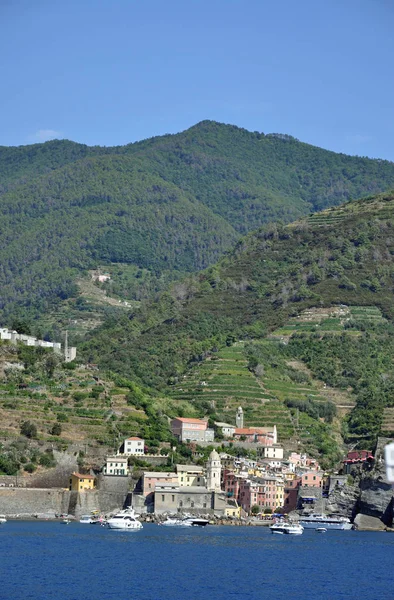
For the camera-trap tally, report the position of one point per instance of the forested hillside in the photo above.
(172, 204)
(342, 256)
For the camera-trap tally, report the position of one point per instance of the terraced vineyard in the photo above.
(388, 421)
(330, 320)
(83, 414)
(225, 382)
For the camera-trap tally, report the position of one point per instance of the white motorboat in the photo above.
(124, 520)
(321, 530)
(2, 519)
(321, 520)
(187, 521)
(285, 527)
(88, 519)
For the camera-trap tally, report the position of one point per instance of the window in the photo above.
(192, 505)
(162, 497)
(173, 498)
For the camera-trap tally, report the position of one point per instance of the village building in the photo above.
(81, 483)
(272, 452)
(291, 488)
(151, 479)
(312, 479)
(226, 429)
(134, 446)
(267, 436)
(357, 457)
(116, 465)
(190, 476)
(191, 430)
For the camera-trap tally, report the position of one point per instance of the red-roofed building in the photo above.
(191, 430)
(267, 436)
(134, 446)
(357, 457)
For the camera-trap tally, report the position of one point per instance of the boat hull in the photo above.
(287, 529)
(338, 526)
(120, 527)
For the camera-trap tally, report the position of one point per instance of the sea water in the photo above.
(50, 561)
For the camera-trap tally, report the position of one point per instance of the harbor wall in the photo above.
(48, 502)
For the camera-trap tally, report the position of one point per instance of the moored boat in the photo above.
(124, 520)
(3, 519)
(187, 521)
(321, 520)
(287, 528)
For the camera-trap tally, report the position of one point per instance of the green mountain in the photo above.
(342, 257)
(170, 205)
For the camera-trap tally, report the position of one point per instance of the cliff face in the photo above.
(369, 498)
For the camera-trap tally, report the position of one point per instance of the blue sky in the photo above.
(114, 71)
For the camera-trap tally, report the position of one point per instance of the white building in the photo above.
(226, 429)
(272, 452)
(116, 465)
(134, 446)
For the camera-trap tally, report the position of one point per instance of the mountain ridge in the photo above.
(169, 204)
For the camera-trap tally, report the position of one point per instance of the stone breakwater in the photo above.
(213, 520)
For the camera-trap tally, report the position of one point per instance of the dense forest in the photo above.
(170, 205)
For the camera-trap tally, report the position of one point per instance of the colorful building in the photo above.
(190, 475)
(81, 483)
(312, 479)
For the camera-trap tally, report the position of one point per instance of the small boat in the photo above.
(321, 529)
(91, 519)
(287, 528)
(66, 521)
(2, 519)
(124, 520)
(186, 521)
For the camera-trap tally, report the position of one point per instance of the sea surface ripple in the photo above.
(50, 561)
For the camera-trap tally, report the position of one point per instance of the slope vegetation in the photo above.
(170, 205)
(342, 257)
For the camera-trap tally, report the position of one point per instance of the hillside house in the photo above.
(191, 430)
(116, 465)
(267, 436)
(134, 446)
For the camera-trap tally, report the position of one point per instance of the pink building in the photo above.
(191, 430)
(151, 478)
(271, 500)
(312, 479)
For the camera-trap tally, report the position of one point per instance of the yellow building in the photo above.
(79, 483)
(280, 493)
(233, 511)
(256, 471)
(190, 476)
